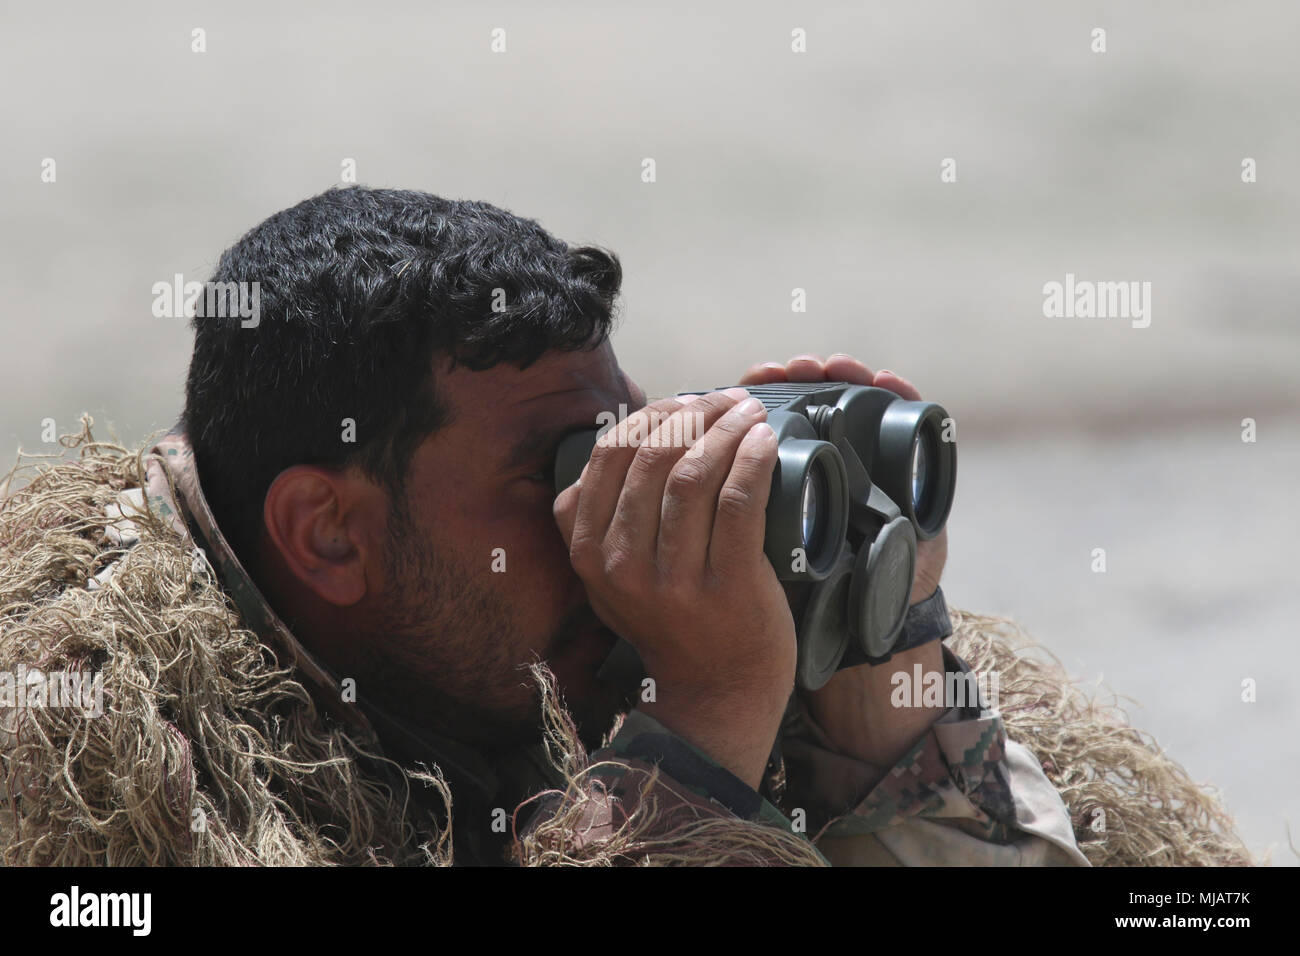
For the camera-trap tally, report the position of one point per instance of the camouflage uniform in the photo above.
(962, 795)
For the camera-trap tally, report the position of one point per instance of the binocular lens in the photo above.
(920, 472)
(812, 508)
(808, 510)
(915, 466)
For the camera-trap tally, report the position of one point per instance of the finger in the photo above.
(845, 368)
(897, 384)
(764, 373)
(805, 368)
(636, 518)
(740, 522)
(690, 497)
(565, 510)
(602, 480)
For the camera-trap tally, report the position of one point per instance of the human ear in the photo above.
(316, 520)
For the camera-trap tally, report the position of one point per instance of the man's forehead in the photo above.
(505, 398)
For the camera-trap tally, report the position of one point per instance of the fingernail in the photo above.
(884, 371)
(750, 406)
(736, 392)
(687, 398)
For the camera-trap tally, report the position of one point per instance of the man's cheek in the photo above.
(531, 546)
(542, 574)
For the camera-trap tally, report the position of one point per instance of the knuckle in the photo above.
(736, 501)
(566, 502)
(732, 425)
(605, 448)
(714, 404)
(690, 477)
(653, 456)
(584, 556)
(618, 567)
(664, 406)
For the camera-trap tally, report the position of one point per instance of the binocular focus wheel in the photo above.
(882, 586)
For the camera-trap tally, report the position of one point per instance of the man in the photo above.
(369, 463)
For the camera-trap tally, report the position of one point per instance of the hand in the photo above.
(931, 555)
(853, 708)
(669, 544)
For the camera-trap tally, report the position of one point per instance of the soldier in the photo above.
(366, 464)
(368, 467)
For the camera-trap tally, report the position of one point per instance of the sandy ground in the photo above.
(778, 171)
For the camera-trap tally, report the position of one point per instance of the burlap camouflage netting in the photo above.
(209, 753)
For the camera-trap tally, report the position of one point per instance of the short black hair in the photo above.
(359, 290)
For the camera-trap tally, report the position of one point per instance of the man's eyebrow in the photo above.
(542, 441)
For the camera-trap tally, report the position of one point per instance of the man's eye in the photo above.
(543, 474)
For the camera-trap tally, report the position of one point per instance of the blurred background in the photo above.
(778, 170)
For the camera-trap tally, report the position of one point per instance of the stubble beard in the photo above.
(446, 660)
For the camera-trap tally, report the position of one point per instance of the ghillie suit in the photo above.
(210, 751)
(1131, 804)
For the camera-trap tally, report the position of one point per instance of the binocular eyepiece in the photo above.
(861, 476)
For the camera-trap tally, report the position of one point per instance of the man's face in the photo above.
(477, 579)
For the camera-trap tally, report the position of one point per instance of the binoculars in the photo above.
(861, 476)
